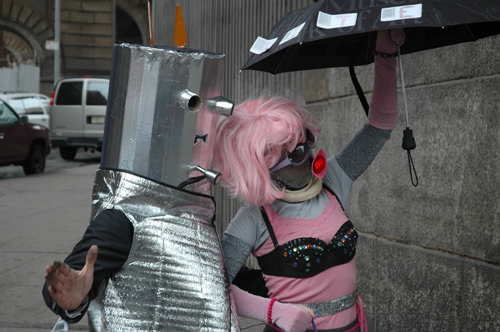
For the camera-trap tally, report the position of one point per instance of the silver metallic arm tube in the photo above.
(221, 106)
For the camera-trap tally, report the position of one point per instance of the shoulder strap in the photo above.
(335, 195)
(269, 226)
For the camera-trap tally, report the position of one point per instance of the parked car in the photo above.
(34, 105)
(77, 114)
(22, 143)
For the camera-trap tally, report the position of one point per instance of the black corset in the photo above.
(306, 257)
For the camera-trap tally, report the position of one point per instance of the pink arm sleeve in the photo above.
(384, 104)
(289, 317)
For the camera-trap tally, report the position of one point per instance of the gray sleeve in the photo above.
(235, 255)
(358, 154)
(338, 181)
(248, 226)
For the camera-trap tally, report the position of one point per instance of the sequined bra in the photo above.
(307, 256)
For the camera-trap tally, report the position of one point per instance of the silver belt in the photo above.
(334, 306)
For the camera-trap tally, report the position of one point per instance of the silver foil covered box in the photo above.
(162, 112)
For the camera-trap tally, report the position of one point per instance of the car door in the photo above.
(67, 112)
(94, 109)
(14, 143)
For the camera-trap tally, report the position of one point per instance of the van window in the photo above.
(97, 93)
(70, 93)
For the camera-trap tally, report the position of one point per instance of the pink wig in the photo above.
(252, 140)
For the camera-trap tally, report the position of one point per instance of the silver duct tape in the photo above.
(158, 110)
(174, 278)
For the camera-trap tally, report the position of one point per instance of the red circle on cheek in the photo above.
(319, 164)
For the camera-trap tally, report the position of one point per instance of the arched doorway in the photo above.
(20, 58)
(126, 29)
(14, 49)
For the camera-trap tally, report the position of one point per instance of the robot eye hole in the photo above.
(190, 101)
(194, 103)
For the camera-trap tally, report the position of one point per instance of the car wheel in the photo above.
(67, 152)
(35, 163)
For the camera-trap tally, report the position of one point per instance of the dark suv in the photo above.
(22, 143)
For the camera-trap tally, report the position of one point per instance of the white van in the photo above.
(78, 111)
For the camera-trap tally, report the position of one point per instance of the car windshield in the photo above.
(17, 104)
(32, 105)
(7, 116)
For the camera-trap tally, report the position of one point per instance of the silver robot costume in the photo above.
(162, 111)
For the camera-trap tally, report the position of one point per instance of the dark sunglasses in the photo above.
(299, 154)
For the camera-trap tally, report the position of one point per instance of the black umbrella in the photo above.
(341, 33)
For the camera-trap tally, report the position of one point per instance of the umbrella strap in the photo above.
(359, 90)
(408, 140)
(411, 165)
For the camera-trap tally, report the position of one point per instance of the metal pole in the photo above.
(57, 32)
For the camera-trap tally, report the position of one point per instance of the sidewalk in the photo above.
(41, 218)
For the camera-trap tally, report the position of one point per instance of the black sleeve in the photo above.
(112, 232)
(252, 281)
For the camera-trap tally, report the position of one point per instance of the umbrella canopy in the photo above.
(339, 33)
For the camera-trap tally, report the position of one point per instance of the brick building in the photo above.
(88, 31)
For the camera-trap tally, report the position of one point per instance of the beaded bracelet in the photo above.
(385, 55)
(270, 310)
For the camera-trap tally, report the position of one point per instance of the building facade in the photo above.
(88, 31)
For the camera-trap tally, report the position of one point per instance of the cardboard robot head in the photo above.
(162, 112)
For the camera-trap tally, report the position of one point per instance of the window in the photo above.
(27, 105)
(97, 93)
(70, 93)
(17, 105)
(6, 115)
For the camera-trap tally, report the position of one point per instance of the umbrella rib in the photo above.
(470, 32)
(283, 58)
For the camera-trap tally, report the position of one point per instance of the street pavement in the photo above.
(42, 216)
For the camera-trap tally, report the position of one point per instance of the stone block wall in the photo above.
(87, 36)
(429, 256)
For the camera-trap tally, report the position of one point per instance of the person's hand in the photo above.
(387, 39)
(309, 310)
(292, 317)
(382, 35)
(289, 317)
(398, 36)
(69, 286)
